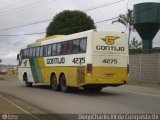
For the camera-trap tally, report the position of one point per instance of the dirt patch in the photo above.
(9, 77)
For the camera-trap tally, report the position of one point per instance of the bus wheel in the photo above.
(63, 84)
(54, 84)
(28, 84)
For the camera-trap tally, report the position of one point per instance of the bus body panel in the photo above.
(25, 68)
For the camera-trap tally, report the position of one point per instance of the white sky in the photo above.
(21, 12)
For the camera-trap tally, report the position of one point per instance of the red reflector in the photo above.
(89, 68)
(128, 69)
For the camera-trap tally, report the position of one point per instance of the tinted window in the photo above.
(30, 52)
(34, 52)
(58, 48)
(22, 53)
(54, 49)
(64, 48)
(49, 50)
(70, 46)
(37, 51)
(75, 46)
(41, 51)
(83, 43)
(25, 53)
(45, 50)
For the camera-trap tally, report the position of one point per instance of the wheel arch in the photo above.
(24, 75)
(53, 73)
(60, 75)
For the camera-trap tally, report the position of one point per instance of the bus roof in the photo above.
(50, 37)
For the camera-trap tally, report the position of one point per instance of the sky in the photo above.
(14, 13)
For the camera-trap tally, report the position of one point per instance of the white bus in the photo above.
(91, 59)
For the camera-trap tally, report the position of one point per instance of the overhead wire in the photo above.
(46, 20)
(20, 9)
(24, 34)
(63, 29)
(103, 5)
(20, 26)
(11, 5)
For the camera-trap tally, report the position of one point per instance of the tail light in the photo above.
(128, 69)
(89, 69)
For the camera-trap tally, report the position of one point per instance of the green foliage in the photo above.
(127, 20)
(135, 44)
(68, 22)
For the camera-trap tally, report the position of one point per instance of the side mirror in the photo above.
(18, 57)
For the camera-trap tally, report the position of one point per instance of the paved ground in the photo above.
(10, 110)
(124, 99)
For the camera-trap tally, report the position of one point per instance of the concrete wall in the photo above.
(145, 68)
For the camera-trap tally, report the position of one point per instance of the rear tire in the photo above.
(28, 84)
(54, 84)
(63, 84)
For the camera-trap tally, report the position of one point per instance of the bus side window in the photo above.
(27, 52)
(41, 51)
(37, 51)
(22, 54)
(49, 51)
(64, 48)
(34, 52)
(83, 44)
(45, 50)
(58, 48)
(30, 52)
(75, 47)
(70, 44)
(54, 49)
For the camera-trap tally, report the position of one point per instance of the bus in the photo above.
(92, 60)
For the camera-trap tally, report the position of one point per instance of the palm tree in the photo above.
(126, 20)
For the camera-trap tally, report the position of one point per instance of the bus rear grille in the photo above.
(80, 75)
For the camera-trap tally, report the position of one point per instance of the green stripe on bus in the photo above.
(38, 70)
(35, 68)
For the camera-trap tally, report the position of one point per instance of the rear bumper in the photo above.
(106, 81)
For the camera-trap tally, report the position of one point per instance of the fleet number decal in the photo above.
(110, 61)
(79, 60)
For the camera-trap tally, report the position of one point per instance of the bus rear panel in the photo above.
(109, 66)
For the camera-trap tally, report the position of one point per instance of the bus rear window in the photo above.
(75, 47)
(83, 43)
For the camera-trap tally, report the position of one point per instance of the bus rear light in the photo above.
(89, 69)
(127, 68)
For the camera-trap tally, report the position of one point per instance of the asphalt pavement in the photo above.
(40, 99)
(11, 111)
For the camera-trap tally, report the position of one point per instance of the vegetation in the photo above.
(135, 44)
(68, 22)
(126, 20)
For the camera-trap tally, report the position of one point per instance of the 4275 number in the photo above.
(79, 60)
(110, 61)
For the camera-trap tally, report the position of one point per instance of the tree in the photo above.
(135, 44)
(126, 20)
(68, 22)
(0, 60)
